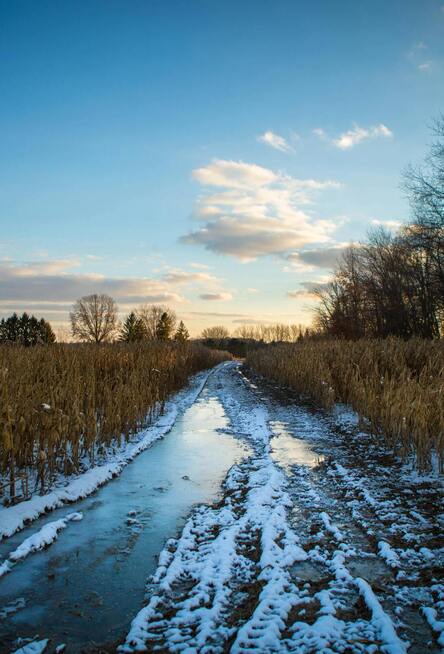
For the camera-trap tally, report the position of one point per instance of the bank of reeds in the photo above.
(62, 405)
(396, 385)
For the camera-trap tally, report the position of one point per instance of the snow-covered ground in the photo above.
(335, 555)
(319, 543)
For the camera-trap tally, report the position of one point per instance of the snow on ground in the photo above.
(38, 541)
(331, 557)
(15, 518)
(35, 647)
(320, 542)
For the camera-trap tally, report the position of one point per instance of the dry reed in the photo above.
(61, 406)
(396, 386)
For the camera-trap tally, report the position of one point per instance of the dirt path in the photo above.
(317, 546)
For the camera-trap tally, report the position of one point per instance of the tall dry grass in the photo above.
(397, 385)
(61, 406)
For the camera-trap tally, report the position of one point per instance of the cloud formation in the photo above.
(215, 296)
(417, 55)
(53, 286)
(390, 224)
(256, 212)
(326, 257)
(52, 281)
(357, 134)
(182, 277)
(234, 174)
(275, 141)
(308, 290)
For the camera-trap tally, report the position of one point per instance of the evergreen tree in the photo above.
(10, 329)
(132, 329)
(182, 333)
(26, 330)
(165, 327)
(47, 332)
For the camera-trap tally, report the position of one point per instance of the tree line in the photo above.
(393, 285)
(94, 319)
(26, 330)
(266, 333)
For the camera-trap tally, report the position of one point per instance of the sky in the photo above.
(215, 156)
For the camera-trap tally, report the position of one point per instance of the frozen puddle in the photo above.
(88, 585)
(287, 450)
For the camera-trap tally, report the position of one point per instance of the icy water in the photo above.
(287, 449)
(85, 589)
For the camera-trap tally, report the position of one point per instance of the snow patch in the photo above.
(36, 647)
(38, 541)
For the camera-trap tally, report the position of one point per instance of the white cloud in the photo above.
(308, 290)
(38, 268)
(325, 257)
(216, 296)
(234, 174)
(425, 66)
(390, 224)
(275, 141)
(199, 266)
(52, 281)
(183, 277)
(357, 134)
(55, 285)
(301, 294)
(257, 212)
(417, 56)
(320, 133)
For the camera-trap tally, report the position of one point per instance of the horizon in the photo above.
(215, 158)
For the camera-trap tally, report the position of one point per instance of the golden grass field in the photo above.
(59, 405)
(397, 385)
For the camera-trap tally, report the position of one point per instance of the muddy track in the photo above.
(321, 543)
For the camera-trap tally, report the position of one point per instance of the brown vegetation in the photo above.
(62, 405)
(397, 385)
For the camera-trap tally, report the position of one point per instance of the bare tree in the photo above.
(94, 318)
(218, 332)
(63, 334)
(424, 186)
(151, 315)
(270, 333)
(247, 331)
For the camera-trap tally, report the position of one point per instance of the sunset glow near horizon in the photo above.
(214, 157)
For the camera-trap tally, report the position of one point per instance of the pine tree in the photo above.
(182, 333)
(132, 329)
(26, 330)
(47, 332)
(10, 329)
(165, 327)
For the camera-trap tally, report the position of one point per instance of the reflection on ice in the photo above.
(288, 450)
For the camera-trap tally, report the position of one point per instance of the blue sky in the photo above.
(211, 155)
